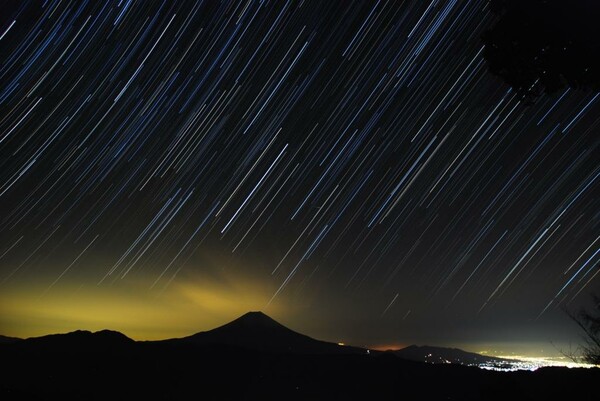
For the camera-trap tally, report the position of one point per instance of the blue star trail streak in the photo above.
(358, 159)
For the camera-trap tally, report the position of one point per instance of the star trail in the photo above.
(351, 167)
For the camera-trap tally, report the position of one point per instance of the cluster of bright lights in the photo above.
(514, 363)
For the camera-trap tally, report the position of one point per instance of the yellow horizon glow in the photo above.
(184, 308)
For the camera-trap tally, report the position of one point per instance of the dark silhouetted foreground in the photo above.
(109, 366)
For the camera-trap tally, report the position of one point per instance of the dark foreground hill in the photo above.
(431, 354)
(109, 366)
(8, 340)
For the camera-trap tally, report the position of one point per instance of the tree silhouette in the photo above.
(589, 320)
(539, 46)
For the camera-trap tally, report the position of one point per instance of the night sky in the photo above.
(351, 169)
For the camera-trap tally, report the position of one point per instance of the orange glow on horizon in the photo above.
(388, 347)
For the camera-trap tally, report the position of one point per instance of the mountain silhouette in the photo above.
(429, 354)
(99, 341)
(8, 340)
(257, 331)
(256, 358)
